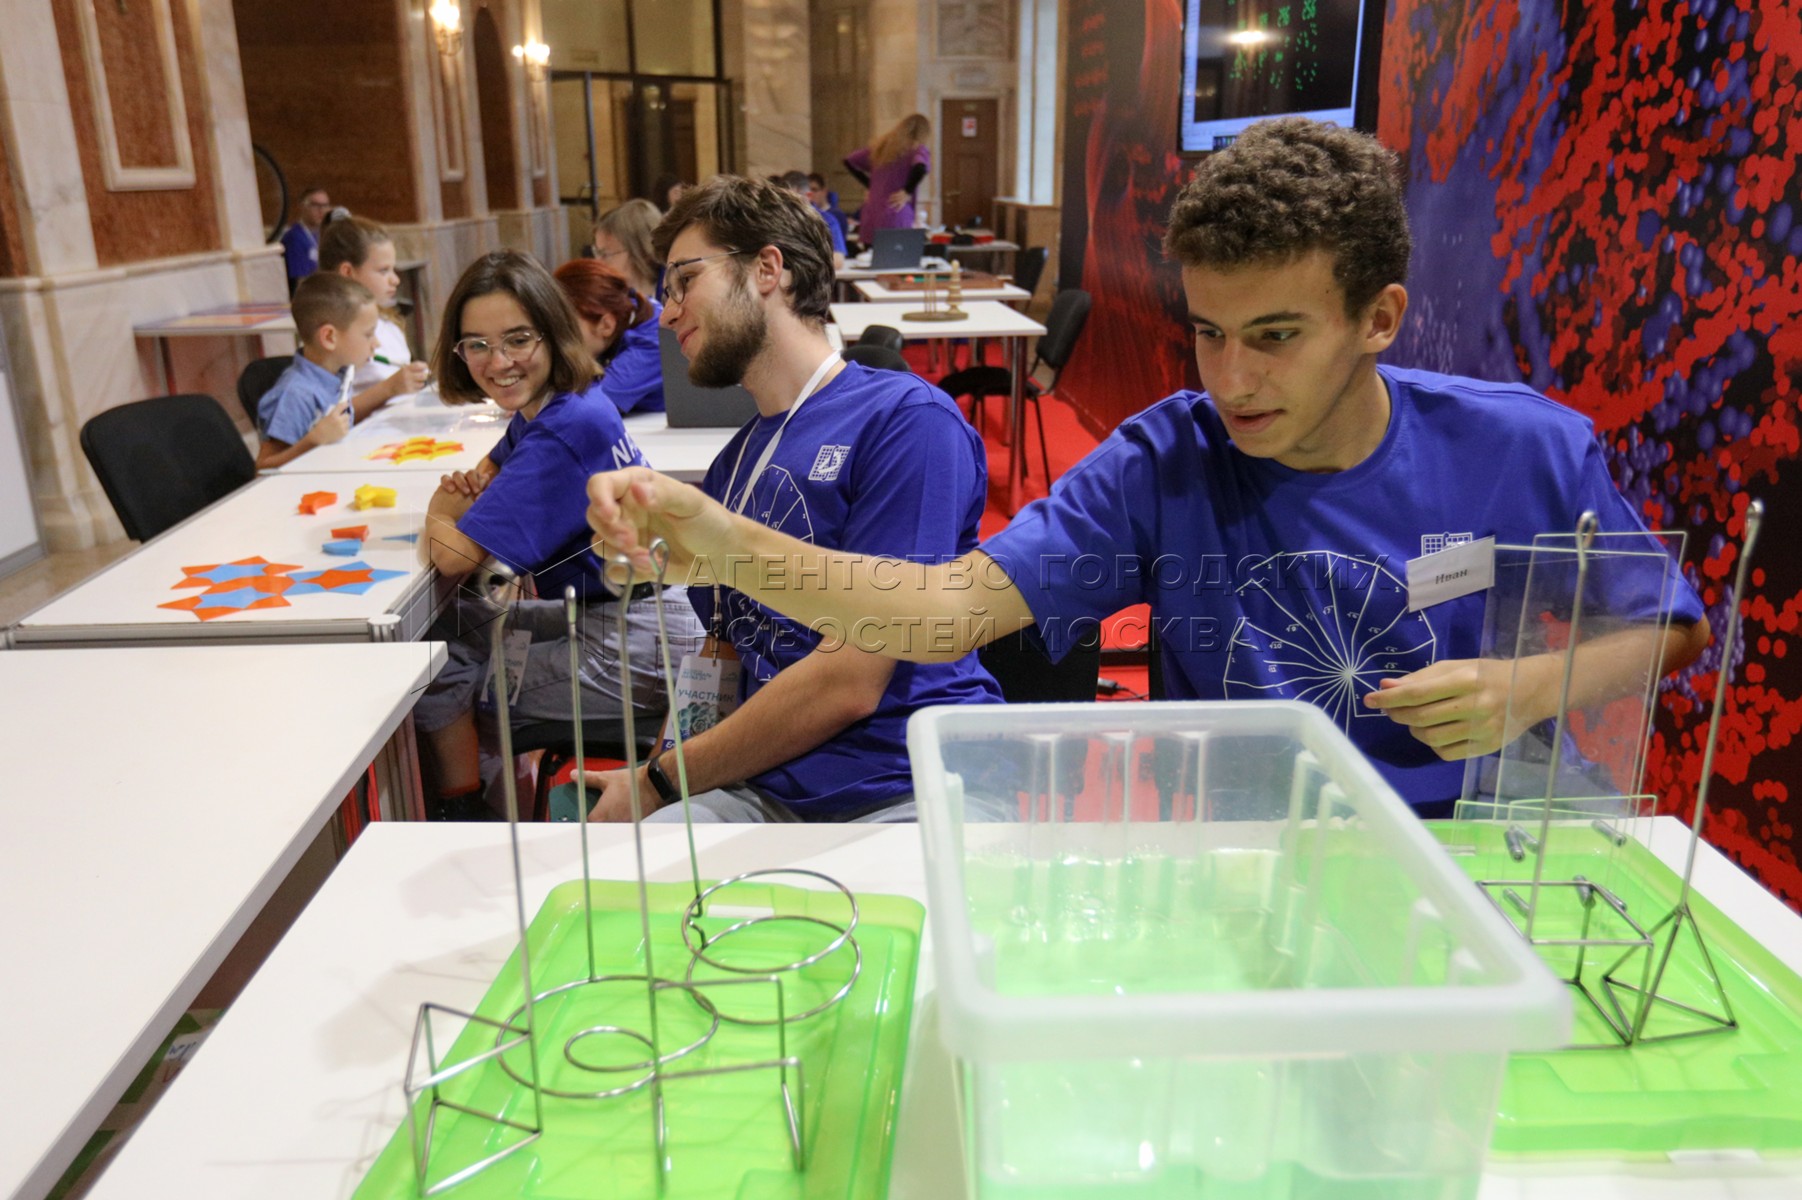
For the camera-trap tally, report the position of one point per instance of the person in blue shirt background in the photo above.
(619, 328)
(509, 336)
(797, 182)
(826, 204)
(839, 456)
(300, 241)
(1267, 520)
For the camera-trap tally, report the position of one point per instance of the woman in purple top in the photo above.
(892, 168)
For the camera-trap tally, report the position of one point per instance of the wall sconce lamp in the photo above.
(536, 56)
(447, 24)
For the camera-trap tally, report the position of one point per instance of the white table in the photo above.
(987, 319)
(157, 798)
(995, 246)
(331, 1017)
(683, 454)
(418, 414)
(119, 606)
(873, 291)
(859, 268)
(255, 320)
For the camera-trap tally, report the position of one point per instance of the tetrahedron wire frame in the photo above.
(1618, 963)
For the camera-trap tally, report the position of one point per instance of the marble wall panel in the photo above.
(74, 356)
(446, 248)
(50, 217)
(228, 121)
(777, 92)
(133, 226)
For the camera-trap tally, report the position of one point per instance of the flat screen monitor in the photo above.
(1245, 60)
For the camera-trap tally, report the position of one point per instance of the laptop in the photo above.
(897, 249)
(691, 407)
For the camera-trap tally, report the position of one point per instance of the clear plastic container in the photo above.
(1203, 950)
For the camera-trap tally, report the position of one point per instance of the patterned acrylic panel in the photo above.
(1605, 203)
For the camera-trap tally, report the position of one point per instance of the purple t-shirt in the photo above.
(533, 516)
(1267, 582)
(879, 463)
(886, 179)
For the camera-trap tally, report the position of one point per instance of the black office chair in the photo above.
(1030, 267)
(885, 336)
(1026, 676)
(880, 358)
(1069, 313)
(256, 380)
(164, 459)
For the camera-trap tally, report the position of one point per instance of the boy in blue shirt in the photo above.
(840, 457)
(1268, 519)
(310, 404)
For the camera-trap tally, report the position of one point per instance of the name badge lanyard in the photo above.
(763, 460)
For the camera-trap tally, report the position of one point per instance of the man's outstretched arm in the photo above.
(913, 611)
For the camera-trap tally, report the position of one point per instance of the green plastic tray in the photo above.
(1739, 1089)
(727, 1134)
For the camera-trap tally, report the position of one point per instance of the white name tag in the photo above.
(706, 693)
(1450, 573)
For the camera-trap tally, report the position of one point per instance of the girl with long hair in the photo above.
(892, 168)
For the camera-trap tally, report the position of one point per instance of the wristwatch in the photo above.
(661, 783)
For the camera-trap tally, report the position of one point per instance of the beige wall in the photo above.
(162, 218)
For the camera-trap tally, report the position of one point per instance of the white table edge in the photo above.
(42, 1176)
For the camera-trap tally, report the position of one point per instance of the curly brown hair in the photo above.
(744, 216)
(1291, 186)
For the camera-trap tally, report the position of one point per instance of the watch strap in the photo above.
(660, 783)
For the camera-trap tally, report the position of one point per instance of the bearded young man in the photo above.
(841, 457)
(1246, 515)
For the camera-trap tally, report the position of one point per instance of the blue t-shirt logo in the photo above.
(830, 461)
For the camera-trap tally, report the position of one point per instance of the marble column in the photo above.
(777, 83)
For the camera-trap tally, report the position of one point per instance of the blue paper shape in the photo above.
(347, 548)
(402, 537)
(226, 572)
(304, 580)
(241, 598)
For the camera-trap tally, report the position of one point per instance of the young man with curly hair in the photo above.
(1252, 516)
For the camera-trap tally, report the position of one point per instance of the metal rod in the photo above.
(575, 724)
(1754, 518)
(644, 893)
(1586, 532)
(675, 718)
(498, 594)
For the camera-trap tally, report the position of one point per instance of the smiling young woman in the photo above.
(510, 337)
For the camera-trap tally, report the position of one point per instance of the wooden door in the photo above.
(970, 157)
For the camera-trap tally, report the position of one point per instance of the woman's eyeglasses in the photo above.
(515, 347)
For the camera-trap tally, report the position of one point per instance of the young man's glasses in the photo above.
(515, 347)
(677, 278)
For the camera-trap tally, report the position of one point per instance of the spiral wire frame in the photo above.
(521, 1026)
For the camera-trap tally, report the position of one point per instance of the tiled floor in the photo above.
(32, 587)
